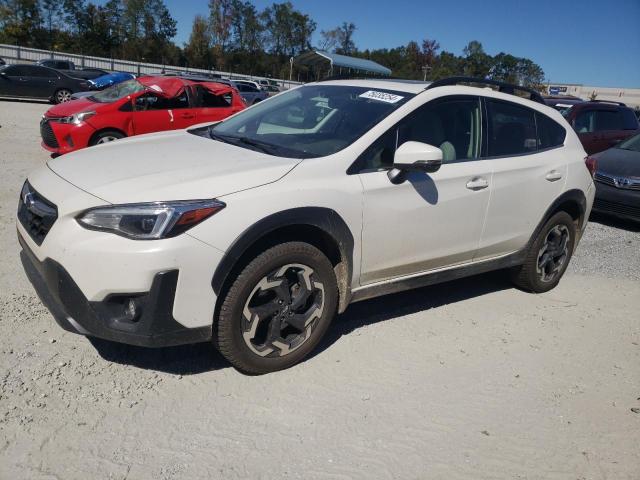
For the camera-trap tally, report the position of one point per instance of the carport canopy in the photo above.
(322, 59)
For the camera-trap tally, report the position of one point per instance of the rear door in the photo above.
(42, 81)
(212, 107)
(529, 173)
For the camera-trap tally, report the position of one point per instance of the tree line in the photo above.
(233, 35)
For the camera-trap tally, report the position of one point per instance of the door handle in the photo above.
(477, 183)
(553, 175)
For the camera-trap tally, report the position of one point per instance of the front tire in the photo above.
(277, 309)
(548, 255)
(106, 137)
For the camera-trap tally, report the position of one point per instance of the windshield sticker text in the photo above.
(381, 96)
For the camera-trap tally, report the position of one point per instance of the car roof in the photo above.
(409, 86)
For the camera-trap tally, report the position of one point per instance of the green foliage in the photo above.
(233, 35)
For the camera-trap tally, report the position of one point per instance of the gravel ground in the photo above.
(466, 380)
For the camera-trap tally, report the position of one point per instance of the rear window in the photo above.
(550, 133)
(210, 100)
(512, 129)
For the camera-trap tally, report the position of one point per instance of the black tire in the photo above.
(62, 95)
(237, 328)
(546, 262)
(105, 137)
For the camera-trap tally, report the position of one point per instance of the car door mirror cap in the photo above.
(414, 157)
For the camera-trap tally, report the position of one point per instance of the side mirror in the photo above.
(414, 157)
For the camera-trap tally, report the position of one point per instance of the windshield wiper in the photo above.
(264, 147)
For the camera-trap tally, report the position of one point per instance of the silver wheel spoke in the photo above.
(282, 309)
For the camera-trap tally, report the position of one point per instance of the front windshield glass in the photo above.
(118, 91)
(310, 121)
(632, 144)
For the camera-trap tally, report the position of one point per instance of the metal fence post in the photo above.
(18, 52)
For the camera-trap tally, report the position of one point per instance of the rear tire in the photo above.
(277, 309)
(62, 95)
(548, 255)
(106, 137)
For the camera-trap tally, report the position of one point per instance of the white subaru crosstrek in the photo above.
(255, 232)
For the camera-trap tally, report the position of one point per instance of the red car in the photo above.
(134, 107)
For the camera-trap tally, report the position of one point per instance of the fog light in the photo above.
(69, 140)
(132, 310)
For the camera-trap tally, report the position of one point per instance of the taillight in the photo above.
(592, 165)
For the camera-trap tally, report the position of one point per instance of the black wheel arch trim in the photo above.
(325, 219)
(573, 196)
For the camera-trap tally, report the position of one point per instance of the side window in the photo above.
(550, 133)
(512, 129)
(451, 124)
(608, 120)
(151, 101)
(16, 71)
(42, 72)
(210, 100)
(629, 119)
(585, 122)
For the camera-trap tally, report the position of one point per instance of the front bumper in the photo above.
(619, 202)
(154, 326)
(63, 138)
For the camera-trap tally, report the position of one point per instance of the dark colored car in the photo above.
(69, 68)
(36, 81)
(2, 62)
(562, 102)
(617, 180)
(601, 124)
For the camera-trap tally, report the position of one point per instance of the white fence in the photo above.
(17, 54)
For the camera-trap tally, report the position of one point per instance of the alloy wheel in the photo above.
(105, 139)
(63, 96)
(553, 254)
(282, 310)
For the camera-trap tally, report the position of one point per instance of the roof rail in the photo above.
(502, 86)
(610, 101)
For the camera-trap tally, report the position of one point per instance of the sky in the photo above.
(575, 41)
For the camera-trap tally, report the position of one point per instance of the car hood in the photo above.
(174, 165)
(616, 161)
(76, 106)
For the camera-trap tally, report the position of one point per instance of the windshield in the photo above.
(118, 91)
(632, 144)
(310, 121)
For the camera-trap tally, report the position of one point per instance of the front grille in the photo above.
(626, 183)
(36, 214)
(616, 208)
(48, 137)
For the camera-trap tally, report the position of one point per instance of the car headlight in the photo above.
(77, 117)
(149, 221)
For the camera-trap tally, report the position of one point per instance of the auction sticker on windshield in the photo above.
(381, 96)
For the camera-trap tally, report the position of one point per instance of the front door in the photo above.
(429, 221)
(155, 113)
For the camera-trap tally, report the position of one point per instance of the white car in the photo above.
(255, 232)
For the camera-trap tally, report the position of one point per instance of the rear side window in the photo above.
(550, 133)
(629, 120)
(41, 72)
(210, 100)
(585, 122)
(608, 120)
(512, 129)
